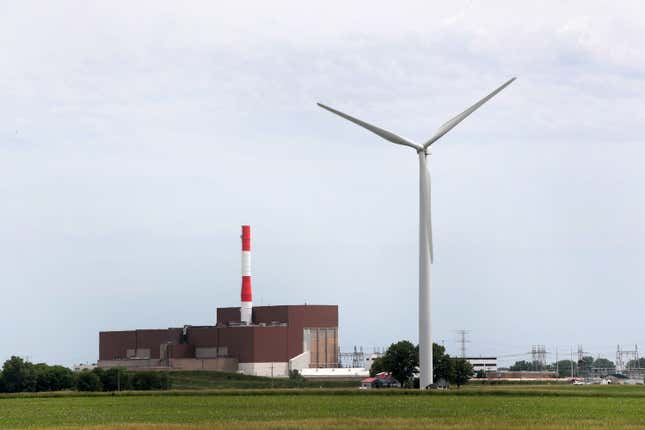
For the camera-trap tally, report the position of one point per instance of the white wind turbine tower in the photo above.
(425, 228)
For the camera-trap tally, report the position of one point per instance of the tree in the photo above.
(584, 365)
(88, 381)
(564, 368)
(603, 363)
(401, 359)
(377, 366)
(150, 381)
(296, 379)
(636, 364)
(442, 366)
(463, 371)
(166, 384)
(113, 379)
(53, 378)
(524, 365)
(18, 375)
(100, 372)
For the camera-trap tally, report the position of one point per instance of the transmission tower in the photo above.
(627, 359)
(538, 357)
(542, 355)
(638, 361)
(462, 341)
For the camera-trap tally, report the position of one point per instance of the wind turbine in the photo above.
(425, 227)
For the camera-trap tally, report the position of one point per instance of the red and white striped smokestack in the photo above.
(246, 310)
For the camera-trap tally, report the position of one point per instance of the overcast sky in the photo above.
(136, 139)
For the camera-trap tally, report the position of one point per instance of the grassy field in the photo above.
(199, 380)
(538, 407)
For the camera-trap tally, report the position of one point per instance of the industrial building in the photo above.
(262, 340)
(279, 339)
(483, 364)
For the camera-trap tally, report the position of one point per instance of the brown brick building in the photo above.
(280, 339)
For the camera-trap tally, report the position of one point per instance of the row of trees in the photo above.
(636, 364)
(19, 375)
(564, 368)
(117, 379)
(402, 360)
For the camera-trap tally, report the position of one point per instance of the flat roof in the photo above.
(480, 358)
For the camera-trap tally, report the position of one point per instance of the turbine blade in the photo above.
(387, 135)
(450, 124)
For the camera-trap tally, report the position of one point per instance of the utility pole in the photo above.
(572, 375)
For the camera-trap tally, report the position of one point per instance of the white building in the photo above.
(369, 360)
(83, 366)
(487, 364)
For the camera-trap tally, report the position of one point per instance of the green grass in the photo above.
(536, 407)
(197, 380)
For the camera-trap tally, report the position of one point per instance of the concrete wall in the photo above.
(130, 364)
(220, 364)
(206, 352)
(277, 370)
(525, 374)
(224, 364)
(336, 372)
(300, 362)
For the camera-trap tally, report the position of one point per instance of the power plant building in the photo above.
(260, 340)
(281, 338)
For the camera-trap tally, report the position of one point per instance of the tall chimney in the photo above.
(246, 310)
